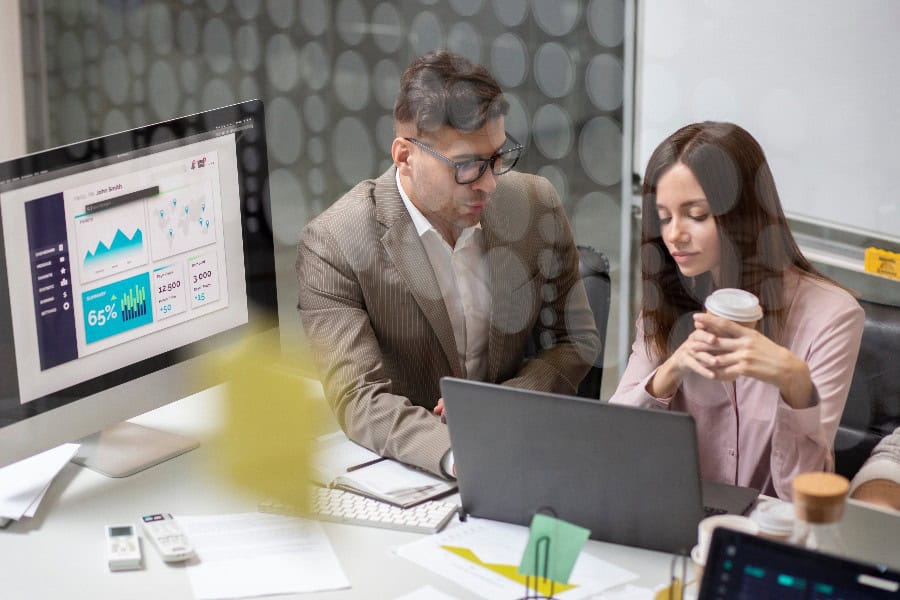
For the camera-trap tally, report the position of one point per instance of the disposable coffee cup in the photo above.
(705, 532)
(735, 305)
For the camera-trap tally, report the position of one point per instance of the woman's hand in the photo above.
(694, 355)
(741, 351)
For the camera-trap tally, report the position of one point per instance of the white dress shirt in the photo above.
(462, 275)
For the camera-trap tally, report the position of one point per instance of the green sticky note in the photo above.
(556, 557)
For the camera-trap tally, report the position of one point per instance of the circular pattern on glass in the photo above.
(187, 33)
(115, 75)
(384, 131)
(289, 201)
(557, 177)
(316, 181)
(137, 93)
(351, 21)
(72, 121)
(70, 60)
(553, 70)
(600, 150)
(136, 59)
(91, 43)
(90, 11)
(552, 131)
(249, 89)
(159, 24)
(190, 76)
(314, 65)
(135, 13)
(466, 8)
(593, 214)
(247, 9)
(387, 28)
(316, 112)
(115, 120)
(509, 59)
(284, 130)
(281, 13)
(517, 122)
(510, 12)
(606, 22)
(217, 6)
(556, 18)
(386, 82)
(217, 45)
(216, 93)
(351, 80)
(282, 62)
(464, 39)
(425, 33)
(247, 47)
(603, 80)
(164, 101)
(315, 149)
(314, 16)
(352, 152)
(113, 23)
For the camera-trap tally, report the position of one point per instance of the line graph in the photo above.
(110, 241)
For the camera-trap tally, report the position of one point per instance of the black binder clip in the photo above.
(541, 550)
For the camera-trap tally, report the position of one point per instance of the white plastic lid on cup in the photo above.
(775, 518)
(735, 305)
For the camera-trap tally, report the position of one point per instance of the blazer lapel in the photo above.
(403, 246)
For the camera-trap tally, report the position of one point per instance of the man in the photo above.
(442, 266)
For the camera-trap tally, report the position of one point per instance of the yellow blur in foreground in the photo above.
(271, 418)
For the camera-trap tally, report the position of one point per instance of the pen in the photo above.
(365, 464)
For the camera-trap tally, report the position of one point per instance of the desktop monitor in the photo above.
(123, 259)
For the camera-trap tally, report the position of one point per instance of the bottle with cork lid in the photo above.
(819, 506)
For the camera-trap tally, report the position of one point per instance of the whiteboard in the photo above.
(817, 82)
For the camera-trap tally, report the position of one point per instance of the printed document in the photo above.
(258, 554)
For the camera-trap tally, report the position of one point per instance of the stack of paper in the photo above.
(23, 484)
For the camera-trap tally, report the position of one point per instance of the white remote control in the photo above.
(168, 537)
(123, 548)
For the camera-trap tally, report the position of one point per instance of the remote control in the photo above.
(168, 537)
(123, 548)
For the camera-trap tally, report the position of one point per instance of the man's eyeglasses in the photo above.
(469, 171)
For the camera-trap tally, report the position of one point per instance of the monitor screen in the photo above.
(124, 256)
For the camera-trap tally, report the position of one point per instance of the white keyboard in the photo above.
(329, 504)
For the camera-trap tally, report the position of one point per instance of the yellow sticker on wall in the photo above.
(882, 262)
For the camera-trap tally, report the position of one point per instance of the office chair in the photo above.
(873, 403)
(594, 269)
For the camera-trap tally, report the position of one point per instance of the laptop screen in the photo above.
(740, 565)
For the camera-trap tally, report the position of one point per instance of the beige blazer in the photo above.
(379, 330)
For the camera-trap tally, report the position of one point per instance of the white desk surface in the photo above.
(60, 553)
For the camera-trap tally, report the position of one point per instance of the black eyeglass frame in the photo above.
(485, 162)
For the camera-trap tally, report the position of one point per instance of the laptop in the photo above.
(740, 565)
(629, 475)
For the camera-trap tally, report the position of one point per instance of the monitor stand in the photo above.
(126, 448)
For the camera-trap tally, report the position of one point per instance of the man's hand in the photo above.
(440, 411)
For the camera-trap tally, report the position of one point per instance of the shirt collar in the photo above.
(421, 221)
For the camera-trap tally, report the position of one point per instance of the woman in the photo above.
(766, 400)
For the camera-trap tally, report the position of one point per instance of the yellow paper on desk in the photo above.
(271, 417)
(882, 262)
